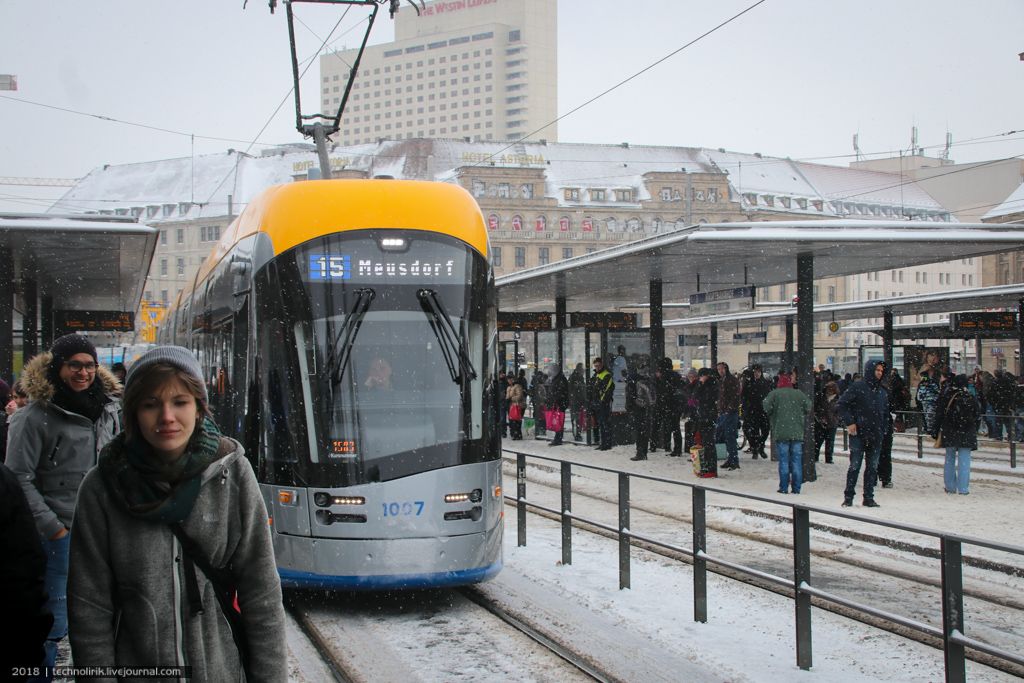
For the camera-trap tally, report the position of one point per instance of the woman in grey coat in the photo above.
(52, 442)
(139, 589)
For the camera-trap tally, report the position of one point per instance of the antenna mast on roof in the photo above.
(319, 126)
(949, 143)
(856, 145)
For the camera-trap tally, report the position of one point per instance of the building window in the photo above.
(479, 188)
(815, 296)
(163, 296)
(623, 195)
(163, 267)
(572, 194)
(180, 236)
(566, 253)
(520, 257)
(503, 190)
(148, 296)
(163, 237)
(597, 195)
(831, 294)
(181, 266)
(526, 191)
(514, 36)
(544, 256)
(496, 257)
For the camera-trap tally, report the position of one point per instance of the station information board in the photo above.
(531, 322)
(736, 300)
(603, 321)
(93, 321)
(982, 321)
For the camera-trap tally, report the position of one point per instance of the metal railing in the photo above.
(952, 632)
(914, 419)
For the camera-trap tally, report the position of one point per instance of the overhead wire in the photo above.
(628, 79)
(281, 104)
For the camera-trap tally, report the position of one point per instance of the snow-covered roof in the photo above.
(1012, 204)
(203, 186)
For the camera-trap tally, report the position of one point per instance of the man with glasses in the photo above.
(52, 442)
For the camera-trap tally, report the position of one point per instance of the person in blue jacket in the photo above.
(863, 408)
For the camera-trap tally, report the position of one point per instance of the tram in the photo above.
(347, 329)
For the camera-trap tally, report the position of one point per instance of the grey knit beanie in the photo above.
(178, 356)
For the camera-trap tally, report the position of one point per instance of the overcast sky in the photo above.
(790, 78)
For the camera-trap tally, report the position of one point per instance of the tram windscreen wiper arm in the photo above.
(341, 345)
(451, 347)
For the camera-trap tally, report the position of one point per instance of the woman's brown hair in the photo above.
(147, 383)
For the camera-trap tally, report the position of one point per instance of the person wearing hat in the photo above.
(52, 442)
(172, 561)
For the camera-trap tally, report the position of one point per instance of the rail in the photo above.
(953, 634)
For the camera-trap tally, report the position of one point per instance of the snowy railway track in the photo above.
(860, 563)
(430, 635)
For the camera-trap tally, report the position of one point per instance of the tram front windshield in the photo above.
(392, 351)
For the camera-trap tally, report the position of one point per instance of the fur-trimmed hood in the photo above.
(39, 388)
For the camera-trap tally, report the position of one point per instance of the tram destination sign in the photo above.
(603, 321)
(93, 321)
(531, 322)
(735, 300)
(756, 337)
(982, 321)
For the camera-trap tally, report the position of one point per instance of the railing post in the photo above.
(801, 576)
(521, 498)
(700, 566)
(624, 541)
(566, 508)
(952, 609)
(920, 438)
(1013, 452)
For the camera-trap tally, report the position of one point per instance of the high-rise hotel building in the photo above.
(466, 69)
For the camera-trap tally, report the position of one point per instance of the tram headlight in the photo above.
(326, 500)
(393, 244)
(474, 496)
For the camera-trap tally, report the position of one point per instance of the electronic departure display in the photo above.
(385, 268)
(343, 448)
(93, 321)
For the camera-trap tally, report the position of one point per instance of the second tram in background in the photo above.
(347, 329)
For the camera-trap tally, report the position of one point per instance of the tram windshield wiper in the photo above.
(452, 348)
(340, 351)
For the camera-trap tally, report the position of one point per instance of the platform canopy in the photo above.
(710, 257)
(83, 262)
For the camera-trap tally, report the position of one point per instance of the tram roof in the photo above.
(940, 302)
(81, 261)
(712, 256)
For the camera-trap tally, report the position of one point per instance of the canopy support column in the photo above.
(788, 349)
(657, 330)
(713, 344)
(887, 338)
(805, 351)
(7, 315)
(559, 330)
(46, 321)
(29, 332)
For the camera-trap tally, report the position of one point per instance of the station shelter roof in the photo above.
(84, 262)
(710, 257)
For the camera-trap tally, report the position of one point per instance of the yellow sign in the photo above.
(151, 314)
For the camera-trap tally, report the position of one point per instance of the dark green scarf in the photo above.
(146, 486)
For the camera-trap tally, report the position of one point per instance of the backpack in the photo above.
(644, 393)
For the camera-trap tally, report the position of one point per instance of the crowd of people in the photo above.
(130, 525)
(702, 412)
